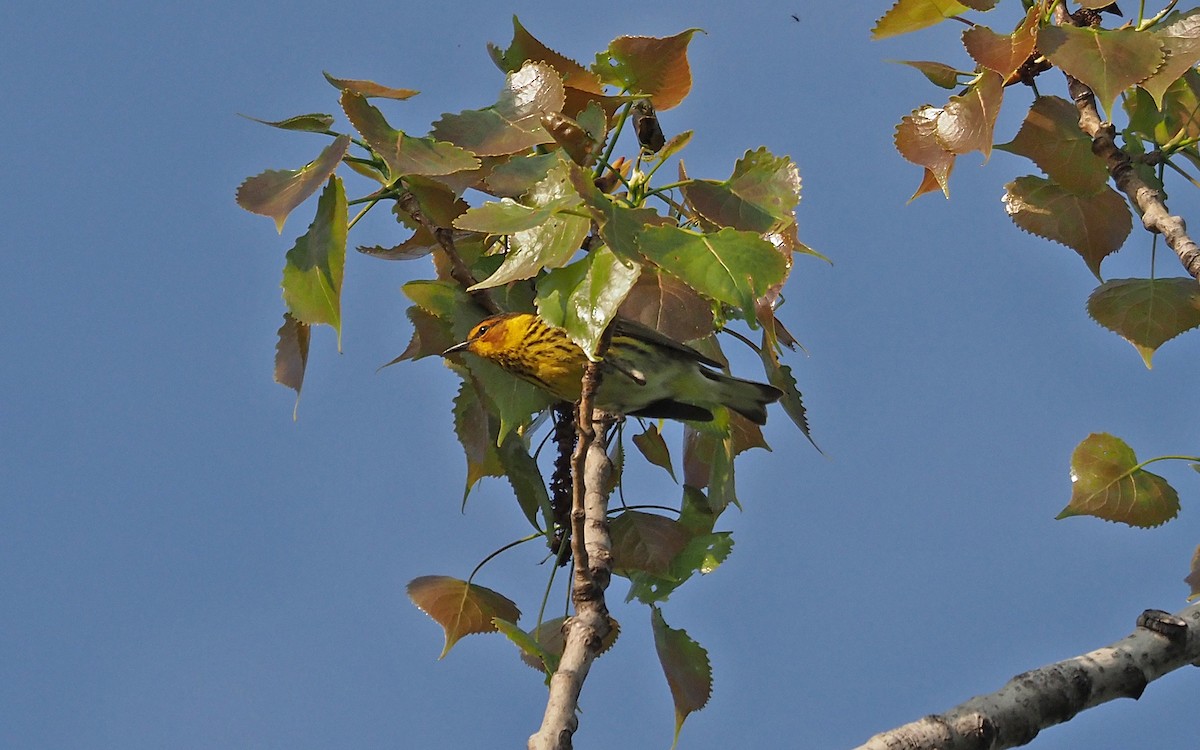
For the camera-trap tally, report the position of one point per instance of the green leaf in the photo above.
(619, 226)
(1181, 45)
(513, 400)
(729, 266)
(1092, 225)
(551, 243)
(780, 376)
(760, 196)
(438, 202)
(650, 442)
(1108, 62)
(476, 430)
(550, 642)
(911, 15)
(686, 666)
(1108, 483)
(507, 216)
(1003, 53)
(582, 298)
(580, 139)
(461, 608)
(431, 336)
(532, 652)
(517, 175)
(708, 461)
(523, 474)
(513, 123)
(369, 89)
(312, 275)
(1146, 312)
(291, 355)
(939, 74)
(648, 66)
(1050, 137)
(276, 192)
(404, 154)
(313, 123)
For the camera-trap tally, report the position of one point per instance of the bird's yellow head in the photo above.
(496, 336)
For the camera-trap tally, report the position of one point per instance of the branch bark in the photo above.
(591, 549)
(1148, 201)
(1030, 702)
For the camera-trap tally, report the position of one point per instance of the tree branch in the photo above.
(1148, 201)
(445, 239)
(591, 549)
(1030, 702)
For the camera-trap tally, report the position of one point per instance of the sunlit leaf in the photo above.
(729, 266)
(276, 192)
(911, 15)
(652, 67)
(619, 226)
(686, 665)
(403, 153)
(652, 446)
(369, 88)
(583, 297)
(660, 301)
(1092, 225)
(291, 355)
(939, 74)
(513, 123)
(759, 197)
(1147, 312)
(313, 123)
(916, 140)
(1051, 138)
(1181, 45)
(312, 275)
(1003, 53)
(506, 215)
(1107, 483)
(967, 121)
(1181, 107)
(525, 47)
(1107, 61)
(461, 608)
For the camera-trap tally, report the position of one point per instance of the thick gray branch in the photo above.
(1030, 702)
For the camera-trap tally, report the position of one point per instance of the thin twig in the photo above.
(445, 239)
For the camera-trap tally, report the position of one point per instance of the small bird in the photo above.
(643, 373)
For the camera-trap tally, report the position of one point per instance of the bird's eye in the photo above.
(482, 330)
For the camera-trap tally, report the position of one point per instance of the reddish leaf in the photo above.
(644, 542)
(686, 665)
(1146, 312)
(275, 193)
(1106, 61)
(654, 449)
(291, 355)
(910, 15)
(437, 202)
(431, 336)
(513, 123)
(1092, 225)
(649, 66)
(916, 140)
(1108, 483)
(369, 89)
(1051, 138)
(967, 120)
(669, 306)
(419, 245)
(1003, 53)
(526, 48)
(403, 153)
(461, 608)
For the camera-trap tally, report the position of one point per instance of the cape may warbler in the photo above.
(643, 373)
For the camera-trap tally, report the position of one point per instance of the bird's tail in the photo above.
(746, 397)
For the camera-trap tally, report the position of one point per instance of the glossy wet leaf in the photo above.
(652, 446)
(583, 297)
(1180, 38)
(1107, 61)
(369, 88)
(312, 123)
(1051, 138)
(276, 192)
(911, 15)
(759, 197)
(1092, 225)
(656, 68)
(1146, 312)
(513, 124)
(729, 266)
(461, 608)
(662, 302)
(312, 274)
(686, 666)
(916, 140)
(1107, 484)
(1003, 53)
(291, 355)
(968, 119)
(939, 74)
(403, 153)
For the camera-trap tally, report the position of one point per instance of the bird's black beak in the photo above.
(456, 348)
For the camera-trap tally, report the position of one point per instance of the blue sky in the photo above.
(183, 566)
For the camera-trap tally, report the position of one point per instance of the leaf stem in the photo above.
(505, 548)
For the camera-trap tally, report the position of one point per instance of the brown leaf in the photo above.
(967, 120)
(276, 192)
(1092, 225)
(1107, 61)
(1051, 138)
(291, 355)
(369, 88)
(649, 66)
(650, 442)
(666, 304)
(916, 140)
(461, 608)
(645, 543)
(1193, 577)
(686, 665)
(1003, 53)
